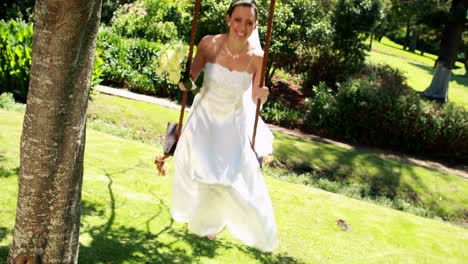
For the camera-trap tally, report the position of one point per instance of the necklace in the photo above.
(236, 55)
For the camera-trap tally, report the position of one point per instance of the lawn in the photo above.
(125, 208)
(441, 193)
(418, 69)
(125, 215)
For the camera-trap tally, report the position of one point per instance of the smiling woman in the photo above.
(217, 180)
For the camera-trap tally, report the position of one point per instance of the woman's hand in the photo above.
(182, 87)
(260, 93)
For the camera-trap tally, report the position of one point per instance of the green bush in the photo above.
(279, 112)
(320, 113)
(15, 57)
(8, 102)
(109, 7)
(376, 108)
(155, 20)
(131, 63)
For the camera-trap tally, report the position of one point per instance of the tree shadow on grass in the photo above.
(3, 249)
(3, 254)
(118, 243)
(460, 79)
(378, 177)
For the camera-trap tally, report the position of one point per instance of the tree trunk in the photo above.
(466, 59)
(451, 40)
(414, 41)
(370, 42)
(466, 64)
(408, 31)
(53, 139)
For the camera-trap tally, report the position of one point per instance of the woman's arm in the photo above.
(257, 91)
(200, 58)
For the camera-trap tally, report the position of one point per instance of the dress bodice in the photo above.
(224, 88)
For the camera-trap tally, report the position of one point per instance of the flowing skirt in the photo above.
(217, 178)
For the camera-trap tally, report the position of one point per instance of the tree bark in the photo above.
(53, 139)
(451, 40)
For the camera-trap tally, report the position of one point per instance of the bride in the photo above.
(217, 178)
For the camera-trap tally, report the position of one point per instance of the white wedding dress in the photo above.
(217, 180)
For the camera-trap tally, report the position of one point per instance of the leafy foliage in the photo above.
(301, 31)
(132, 63)
(154, 20)
(16, 9)
(279, 112)
(15, 57)
(377, 108)
(109, 7)
(353, 21)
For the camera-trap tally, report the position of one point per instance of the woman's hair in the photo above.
(248, 3)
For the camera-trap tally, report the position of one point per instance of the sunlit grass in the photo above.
(125, 217)
(418, 69)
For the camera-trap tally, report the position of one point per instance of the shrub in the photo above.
(109, 7)
(15, 57)
(131, 63)
(320, 113)
(278, 112)
(377, 108)
(8, 102)
(155, 20)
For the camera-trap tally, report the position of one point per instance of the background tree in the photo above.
(465, 50)
(449, 48)
(406, 14)
(53, 139)
(353, 22)
(383, 23)
(300, 30)
(109, 7)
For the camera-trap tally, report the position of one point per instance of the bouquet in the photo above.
(172, 62)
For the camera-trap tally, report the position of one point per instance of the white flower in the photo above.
(171, 62)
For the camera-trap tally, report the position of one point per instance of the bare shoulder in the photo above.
(210, 43)
(257, 55)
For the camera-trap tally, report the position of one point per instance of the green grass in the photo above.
(419, 69)
(436, 193)
(132, 119)
(125, 217)
(442, 193)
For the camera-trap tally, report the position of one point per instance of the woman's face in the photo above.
(242, 22)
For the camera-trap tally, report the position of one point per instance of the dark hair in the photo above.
(247, 3)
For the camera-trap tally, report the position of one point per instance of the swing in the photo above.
(174, 130)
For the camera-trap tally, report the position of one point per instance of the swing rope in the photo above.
(189, 64)
(161, 161)
(265, 61)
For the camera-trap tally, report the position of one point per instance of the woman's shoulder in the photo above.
(211, 40)
(256, 55)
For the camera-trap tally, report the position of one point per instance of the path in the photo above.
(460, 171)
